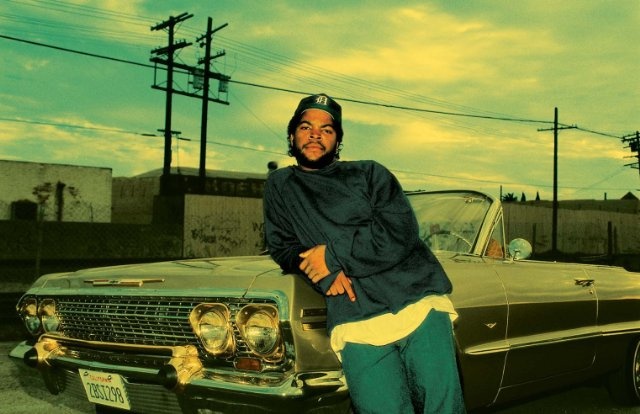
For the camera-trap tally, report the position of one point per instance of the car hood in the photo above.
(194, 275)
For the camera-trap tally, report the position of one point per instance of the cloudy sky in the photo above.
(446, 94)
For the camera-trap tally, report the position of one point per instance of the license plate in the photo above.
(105, 388)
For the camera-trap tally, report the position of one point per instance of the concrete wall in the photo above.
(60, 192)
(583, 232)
(132, 199)
(222, 226)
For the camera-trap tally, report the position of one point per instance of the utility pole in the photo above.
(168, 51)
(206, 61)
(634, 146)
(201, 79)
(554, 221)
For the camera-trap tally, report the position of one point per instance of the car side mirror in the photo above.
(519, 249)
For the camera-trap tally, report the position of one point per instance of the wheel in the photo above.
(624, 384)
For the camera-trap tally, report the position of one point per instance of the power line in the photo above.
(64, 49)
(82, 10)
(123, 131)
(604, 134)
(48, 21)
(362, 102)
(484, 181)
(272, 60)
(64, 125)
(391, 106)
(250, 84)
(266, 151)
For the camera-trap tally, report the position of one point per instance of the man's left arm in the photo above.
(385, 240)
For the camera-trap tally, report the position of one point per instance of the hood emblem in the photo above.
(122, 282)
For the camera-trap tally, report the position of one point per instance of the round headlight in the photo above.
(211, 323)
(29, 314)
(47, 312)
(260, 328)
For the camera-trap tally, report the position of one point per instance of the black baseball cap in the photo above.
(323, 102)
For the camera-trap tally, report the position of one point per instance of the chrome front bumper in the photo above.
(178, 382)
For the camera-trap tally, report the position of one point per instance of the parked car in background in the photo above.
(235, 335)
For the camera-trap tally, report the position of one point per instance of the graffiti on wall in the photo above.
(219, 240)
(226, 237)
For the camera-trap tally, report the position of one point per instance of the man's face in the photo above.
(314, 141)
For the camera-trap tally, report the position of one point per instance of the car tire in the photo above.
(624, 384)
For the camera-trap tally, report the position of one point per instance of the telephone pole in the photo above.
(634, 146)
(554, 222)
(207, 75)
(200, 79)
(169, 52)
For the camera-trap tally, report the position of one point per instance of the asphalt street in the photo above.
(14, 399)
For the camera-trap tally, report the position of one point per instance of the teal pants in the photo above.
(417, 374)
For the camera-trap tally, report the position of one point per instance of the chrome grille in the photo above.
(139, 320)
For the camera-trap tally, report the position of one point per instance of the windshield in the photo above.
(450, 221)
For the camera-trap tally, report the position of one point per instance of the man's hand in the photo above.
(313, 263)
(340, 286)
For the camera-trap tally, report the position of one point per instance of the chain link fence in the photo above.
(29, 249)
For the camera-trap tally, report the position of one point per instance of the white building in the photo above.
(54, 192)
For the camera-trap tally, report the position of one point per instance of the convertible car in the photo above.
(236, 335)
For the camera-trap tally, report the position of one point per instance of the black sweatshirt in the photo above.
(359, 211)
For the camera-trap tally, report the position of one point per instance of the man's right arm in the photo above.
(285, 248)
(282, 243)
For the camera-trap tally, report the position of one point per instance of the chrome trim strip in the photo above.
(122, 282)
(52, 351)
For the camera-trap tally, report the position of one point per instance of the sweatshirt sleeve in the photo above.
(386, 239)
(282, 243)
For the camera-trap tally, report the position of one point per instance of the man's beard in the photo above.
(327, 159)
